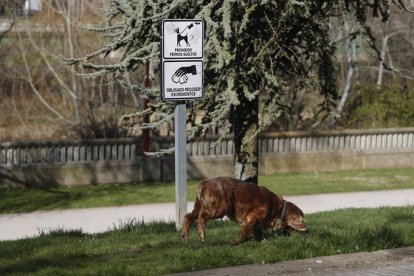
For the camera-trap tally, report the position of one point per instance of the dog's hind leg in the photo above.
(202, 220)
(189, 219)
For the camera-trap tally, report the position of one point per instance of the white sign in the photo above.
(182, 46)
(182, 79)
(182, 39)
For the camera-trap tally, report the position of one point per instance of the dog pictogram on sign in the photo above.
(183, 35)
(182, 39)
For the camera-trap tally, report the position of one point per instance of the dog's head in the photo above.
(290, 219)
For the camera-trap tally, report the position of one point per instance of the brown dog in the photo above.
(255, 208)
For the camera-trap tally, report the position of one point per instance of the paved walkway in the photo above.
(95, 220)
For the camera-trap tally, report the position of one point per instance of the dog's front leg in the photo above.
(259, 234)
(246, 229)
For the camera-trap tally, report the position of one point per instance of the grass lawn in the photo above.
(155, 249)
(32, 199)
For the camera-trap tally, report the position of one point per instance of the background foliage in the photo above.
(288, 89)
(390, 106)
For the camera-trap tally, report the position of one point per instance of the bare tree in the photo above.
(396, 46)
(87, 108)
(350, 49)
(8, 10)
(394, 40)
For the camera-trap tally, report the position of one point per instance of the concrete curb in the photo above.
(384, 262)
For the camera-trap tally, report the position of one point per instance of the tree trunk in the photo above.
(246, 125)
(351, 57)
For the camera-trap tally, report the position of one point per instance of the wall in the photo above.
(119, 161)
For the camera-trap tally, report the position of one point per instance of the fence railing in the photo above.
(346, 140)
(129, 149)
(67, 151)
(321, 141)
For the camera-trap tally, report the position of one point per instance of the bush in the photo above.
(389, 106)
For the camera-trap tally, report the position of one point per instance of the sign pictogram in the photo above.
(182, 79)
(182, 39)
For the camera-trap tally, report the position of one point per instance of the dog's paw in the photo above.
(201, 237)
(184, 238)
(234, 242)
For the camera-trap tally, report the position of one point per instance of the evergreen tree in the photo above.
(252, 49)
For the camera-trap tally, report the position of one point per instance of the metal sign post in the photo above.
(180, 163)
(182, 46)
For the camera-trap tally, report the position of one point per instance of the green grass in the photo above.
(339, 182)
(15, 200)
(32, 199)
(154, 249)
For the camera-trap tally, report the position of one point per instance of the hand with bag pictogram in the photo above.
(180, 76)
